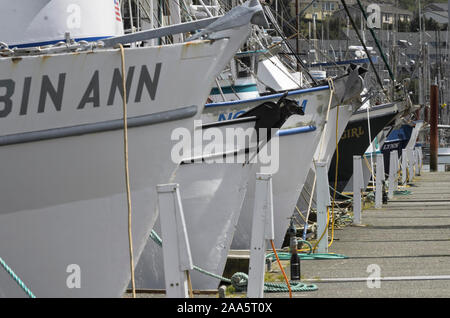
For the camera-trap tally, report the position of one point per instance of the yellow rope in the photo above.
(331, 85)
(127, 172)
(335, 177)
(369, 167)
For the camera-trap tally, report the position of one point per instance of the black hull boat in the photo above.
(355, 140)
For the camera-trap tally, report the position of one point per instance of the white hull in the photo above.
(212, 197)
(324, 153)
(274, 74)
(296, 155)
(64, 204)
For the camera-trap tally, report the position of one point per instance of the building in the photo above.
(389, 12)
(437, 12)
(318, 10)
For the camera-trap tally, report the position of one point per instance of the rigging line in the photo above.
(269, 14)
(377, 43)
(291, 27)
(130, 12)
(355, 28)
(269, 55)
(370, 139)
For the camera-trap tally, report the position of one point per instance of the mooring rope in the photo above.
(16, 278)
(127, 171)
(239, 280)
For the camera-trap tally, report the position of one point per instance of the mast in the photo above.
(297, 37)
(175, 18)
(355, 28)
(421, 54)
(394, 49)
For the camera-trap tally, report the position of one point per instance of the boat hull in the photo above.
(355, 141)
(63, 219)
(336, 125)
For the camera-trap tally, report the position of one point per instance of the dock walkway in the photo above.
(407, 242)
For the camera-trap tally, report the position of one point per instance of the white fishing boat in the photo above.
(212, 195)
(63, 219)
(299, 138)
(236, 82)
(336, 125)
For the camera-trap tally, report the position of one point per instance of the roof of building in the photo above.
(440, 17)
(436, 7)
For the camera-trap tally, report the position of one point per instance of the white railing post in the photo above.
(410, 164)
(262, 231)
(419, 152)
(379, 181)
(176, 249)
(392, 174)
(404, 165)
(323, 202)
(357, 187)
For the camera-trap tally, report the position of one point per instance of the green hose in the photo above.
(287, 256)
(240, 282)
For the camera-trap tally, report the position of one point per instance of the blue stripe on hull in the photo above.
(235, 89)
(267, 97)
(295, 131)
(91, 39)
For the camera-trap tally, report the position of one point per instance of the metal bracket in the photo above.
(420, 160)
(393, 170)
(262, 231)
(411, 163)
(404, 165)
(176, 249)
(379, 181)
(358, 184)
(323, 202)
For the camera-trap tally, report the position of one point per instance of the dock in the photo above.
(406, 242)
(401, 250)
